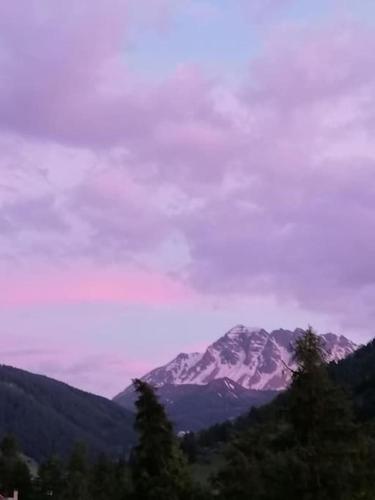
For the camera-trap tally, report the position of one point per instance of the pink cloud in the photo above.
(82, 285)
(266, 200)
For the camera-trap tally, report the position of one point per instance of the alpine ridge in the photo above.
(252, 357)
(194, 407)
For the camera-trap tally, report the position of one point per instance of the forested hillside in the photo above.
(316, 441)
(49, 417)
(193, 407)
(354, 374)
(357, 375)
(308, 444)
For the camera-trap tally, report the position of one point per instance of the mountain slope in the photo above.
(193, 407)
(48, 416)
(253, 358)
(356, 374)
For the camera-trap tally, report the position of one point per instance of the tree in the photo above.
(189, 446)
(122, 481)
(50, 482)
(14, 472)
(305, 446)
(77, 475)
(322, 423)
(159, 469)
(9, 447)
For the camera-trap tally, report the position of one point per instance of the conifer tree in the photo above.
(158, 466)
(14, 472)
(9, 447)
(322, 423)
(122, 481)
(309, 448)
(77, 475)
(50, 482)
(103, 480)
(189, 446)
(319, 410)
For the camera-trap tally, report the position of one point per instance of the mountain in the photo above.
(48, 417)
(356, 374)
(244, 368)
(253, 358)
(193, 407)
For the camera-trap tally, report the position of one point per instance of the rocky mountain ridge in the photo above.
(251, 357)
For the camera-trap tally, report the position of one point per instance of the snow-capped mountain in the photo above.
(251, 357)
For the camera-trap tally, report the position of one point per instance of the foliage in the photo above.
(51, 480)
(159, 467)
(14, 473)
(357, 375)
(314, 450)
(48, 417)
(316, 441)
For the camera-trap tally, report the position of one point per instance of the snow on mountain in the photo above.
(251, 357)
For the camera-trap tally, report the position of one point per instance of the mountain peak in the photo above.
(186, 356)
(250, 357)
(240, 330)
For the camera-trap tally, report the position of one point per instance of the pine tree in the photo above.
(102, 479)
(158, 466)
(189, 446)
(14, 472)
(122, 481)
(306, 446)
(77, 475)
(50, 482)
(9, 447)
(319, 410)
(323, 425)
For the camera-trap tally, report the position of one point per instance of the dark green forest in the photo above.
(49, 417)
(316, 441)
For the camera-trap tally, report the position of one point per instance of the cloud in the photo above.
(81, 283)
(269, 187)
(262, 11)
(79, 368)
(65, 75)
(301, 226)
(31, 215)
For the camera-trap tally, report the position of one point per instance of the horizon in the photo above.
(201, 352)
(171, 168)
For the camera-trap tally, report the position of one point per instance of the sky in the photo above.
(172, 168)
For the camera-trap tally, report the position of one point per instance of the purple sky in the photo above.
(170, 168)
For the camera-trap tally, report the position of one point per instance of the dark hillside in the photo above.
(48, 417)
